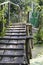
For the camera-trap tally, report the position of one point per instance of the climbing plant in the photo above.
(2, 20)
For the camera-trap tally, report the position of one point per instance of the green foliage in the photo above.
(41, 33)
(2, 21)
(27, 8)
(38, 37)
(2, 1)
(39, 9)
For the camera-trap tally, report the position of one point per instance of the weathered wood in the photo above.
(17, 61)
(16, 38)
(29, 42)
(16, 28)
(15, 31)
(13, 55)
(18, 49)
(17, 44)
(8, 43)
(13, 63)
(30, 32)
(15, 34)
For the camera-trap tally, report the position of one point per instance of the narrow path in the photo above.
(37, 54)
(37, 50)
(37, 61)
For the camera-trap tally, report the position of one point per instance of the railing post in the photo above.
(29, 41)
(9, 12)
(27, 50)
(3, 18)
(30, 33)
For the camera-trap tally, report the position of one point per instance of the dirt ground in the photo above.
(37, 54)
(37, 50)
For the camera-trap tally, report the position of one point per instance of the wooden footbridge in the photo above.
(15, 46)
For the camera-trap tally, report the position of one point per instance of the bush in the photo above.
(38, 37)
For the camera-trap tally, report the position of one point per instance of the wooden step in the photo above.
(15, 34)
(16, 61)
(12, 42)
(13, 38)
(16, 29)
(12, 63)
(12, 54)
(20, 26)
(6, 43)
(15, 49)
(12, 47)
(16, 38)
(19, 55)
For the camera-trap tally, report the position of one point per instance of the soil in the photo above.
(37, 55)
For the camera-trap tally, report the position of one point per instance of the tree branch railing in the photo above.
(7, 12)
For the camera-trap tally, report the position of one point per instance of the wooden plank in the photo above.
(16, 29)
(17, 61)
(17, 38)
(12, 46)
(15, 49)
(15, 34)
(12, 42)
(10, 63)
(12, 55)
(5, 43)
(13, 38)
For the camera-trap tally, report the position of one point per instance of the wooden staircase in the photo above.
(13, 46)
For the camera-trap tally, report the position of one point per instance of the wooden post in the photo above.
(3, 18)
(29, 41)
(27, 51)
(19, 16)
(30, 33)
(28, 17)
(9, 12)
